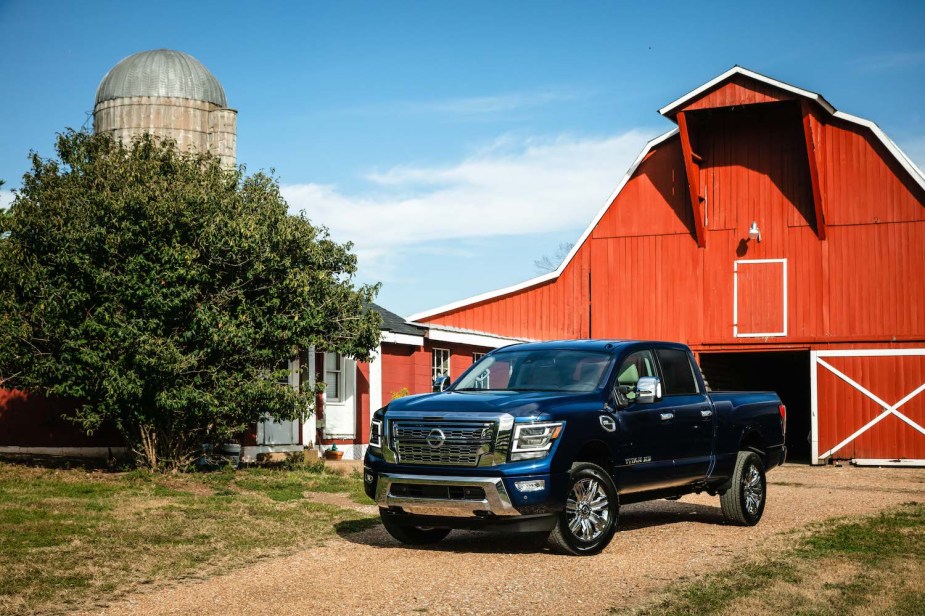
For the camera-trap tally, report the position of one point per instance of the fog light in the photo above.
(368, 477)
(533, 485)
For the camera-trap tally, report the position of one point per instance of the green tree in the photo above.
(163, 291)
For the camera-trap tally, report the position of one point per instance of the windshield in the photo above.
(564, 370)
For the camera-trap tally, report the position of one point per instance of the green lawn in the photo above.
(68, 537)
(873, 565)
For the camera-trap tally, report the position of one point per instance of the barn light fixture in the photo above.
(754, 233)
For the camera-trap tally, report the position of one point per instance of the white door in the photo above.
(270, 432)
(339, 397)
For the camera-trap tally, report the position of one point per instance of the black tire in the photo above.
(412, 535)
(590, 519)
(743, 503)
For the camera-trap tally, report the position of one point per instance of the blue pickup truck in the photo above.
(553, 437)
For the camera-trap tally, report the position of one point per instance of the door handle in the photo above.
(706, 413)
(666, 416)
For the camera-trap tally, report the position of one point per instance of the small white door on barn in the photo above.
(271, 432)
(339, 397)
(759, 298)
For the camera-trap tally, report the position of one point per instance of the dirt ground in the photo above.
(472, 573)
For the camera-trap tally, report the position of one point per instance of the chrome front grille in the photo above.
(442, 443)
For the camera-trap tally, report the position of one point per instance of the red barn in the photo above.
(783, 240)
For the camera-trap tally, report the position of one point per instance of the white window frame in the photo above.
(735, 299)
(434, 366)
(342, 381)
(477, 356)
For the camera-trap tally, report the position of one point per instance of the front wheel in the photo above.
(743, 502)
(590, 518)
(412, 535)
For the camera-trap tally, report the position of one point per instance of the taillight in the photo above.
(783, 418)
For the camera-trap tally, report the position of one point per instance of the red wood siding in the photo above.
(409, 367)
(734, 92)
(556, 309)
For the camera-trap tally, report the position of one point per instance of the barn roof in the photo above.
(738, 71)
(735, 72)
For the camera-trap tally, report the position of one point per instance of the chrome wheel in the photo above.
(752, 490)
(587, 509)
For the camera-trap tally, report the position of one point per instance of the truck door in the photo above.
(647, 441)
(694, 416)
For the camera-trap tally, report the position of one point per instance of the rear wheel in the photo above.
(412, 535)
(589, 520)
(743, 502)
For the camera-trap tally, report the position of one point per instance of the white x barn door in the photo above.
(868, 404)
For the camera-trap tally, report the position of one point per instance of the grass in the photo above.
(874, 565)
(70, 536)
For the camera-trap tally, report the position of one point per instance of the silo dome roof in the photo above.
(161, 72)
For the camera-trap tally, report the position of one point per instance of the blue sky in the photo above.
(455, 143)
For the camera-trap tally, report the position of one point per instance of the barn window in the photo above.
(677, 372)
(334, 377)
(441, 363)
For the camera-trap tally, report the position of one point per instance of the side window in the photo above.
(677, 372)
(635, 366)
(440, 364)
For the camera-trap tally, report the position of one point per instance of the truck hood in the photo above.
(517, 404)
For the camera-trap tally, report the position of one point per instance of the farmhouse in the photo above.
(783, 240)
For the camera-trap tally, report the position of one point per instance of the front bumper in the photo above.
(465, 496)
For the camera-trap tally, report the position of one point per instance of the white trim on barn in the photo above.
(406, 339)
(472, 338)
(887, 462)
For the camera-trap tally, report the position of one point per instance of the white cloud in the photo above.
(6, 198)
(513, 187)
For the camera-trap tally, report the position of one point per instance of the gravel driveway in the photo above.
(472, 573)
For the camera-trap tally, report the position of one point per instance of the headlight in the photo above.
(375, 434)
(533, 441)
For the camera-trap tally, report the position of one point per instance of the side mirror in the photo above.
(441, 383)
(648, 390)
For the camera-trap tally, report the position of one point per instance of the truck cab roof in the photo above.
(586, 344)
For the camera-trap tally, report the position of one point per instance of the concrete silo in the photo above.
(169, 94)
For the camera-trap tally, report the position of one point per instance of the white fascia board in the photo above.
(470, 338)
(406, 339)
(555, 274)
(738, 70)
